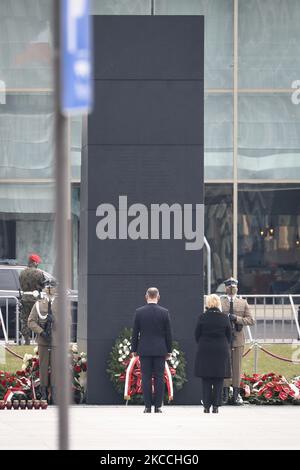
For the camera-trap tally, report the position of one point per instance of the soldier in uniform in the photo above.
(31, 282)
(239, 314)
(41, 321)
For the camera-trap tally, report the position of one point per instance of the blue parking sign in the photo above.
(76, 57)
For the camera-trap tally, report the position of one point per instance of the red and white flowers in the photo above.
(270, 389)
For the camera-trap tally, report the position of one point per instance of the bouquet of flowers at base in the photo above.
(13, 386)
(270, 389)
(78, 364)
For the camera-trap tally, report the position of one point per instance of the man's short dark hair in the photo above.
(152, 292)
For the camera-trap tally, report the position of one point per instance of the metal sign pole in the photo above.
(295, 314)
(208, 250)
(63, 242)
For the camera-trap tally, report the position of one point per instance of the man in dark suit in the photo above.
(152, 342)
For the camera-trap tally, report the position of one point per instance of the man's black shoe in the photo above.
(157, 410)
(147, 410)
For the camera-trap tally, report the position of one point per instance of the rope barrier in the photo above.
(13, 353)
(280, 358)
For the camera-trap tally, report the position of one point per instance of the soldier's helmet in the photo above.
(231, 282)
(50, 282)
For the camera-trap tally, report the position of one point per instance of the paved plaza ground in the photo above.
(179, 427)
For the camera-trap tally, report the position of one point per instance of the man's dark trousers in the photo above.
(153, 366)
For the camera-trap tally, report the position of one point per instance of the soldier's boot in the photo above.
(225, 398)
(44, 393)
(235, 401)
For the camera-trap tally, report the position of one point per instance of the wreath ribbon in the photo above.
(129, 376)
(169, 381)
(11, 391)
(133, 374)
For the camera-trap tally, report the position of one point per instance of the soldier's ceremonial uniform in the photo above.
(240, 316)
(43, 312)
(31, 280)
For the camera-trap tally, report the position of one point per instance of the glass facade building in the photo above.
(252, 135)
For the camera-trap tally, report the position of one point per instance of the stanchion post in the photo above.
(17, 322)
(255, 358)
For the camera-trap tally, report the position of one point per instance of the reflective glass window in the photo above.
(269, 238)
(218, 231)
(269, 137)
(269, 38)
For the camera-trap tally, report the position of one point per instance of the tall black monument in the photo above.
(143, 141)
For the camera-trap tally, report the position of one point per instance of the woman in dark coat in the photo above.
(213, 362)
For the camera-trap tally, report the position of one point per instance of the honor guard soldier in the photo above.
(41, 321)
(31, 283)
(239, 314)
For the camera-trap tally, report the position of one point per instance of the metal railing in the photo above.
(6, 320)
(5, 325)
(276, 318)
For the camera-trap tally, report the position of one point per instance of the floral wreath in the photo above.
(120, 362)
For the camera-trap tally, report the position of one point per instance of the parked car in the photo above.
(10, 286)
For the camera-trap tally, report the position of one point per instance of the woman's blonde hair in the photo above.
(213, 301)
